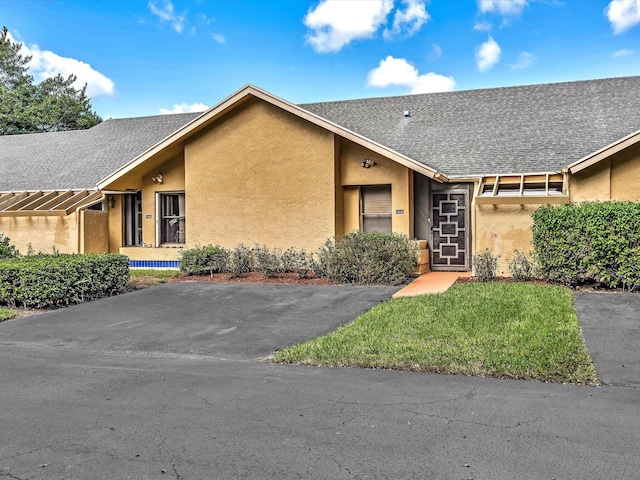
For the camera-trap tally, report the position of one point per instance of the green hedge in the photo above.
(49, 281)
(589, 242)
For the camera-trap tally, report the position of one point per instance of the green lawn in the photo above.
(506, 330)
(148, 277)
(6, 314)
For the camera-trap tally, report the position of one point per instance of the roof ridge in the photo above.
(480, 89)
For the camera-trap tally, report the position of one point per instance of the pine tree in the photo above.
(49, 106)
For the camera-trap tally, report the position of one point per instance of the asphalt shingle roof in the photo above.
(81, 158)
(528, 129)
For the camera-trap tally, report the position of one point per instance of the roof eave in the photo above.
(605, 152)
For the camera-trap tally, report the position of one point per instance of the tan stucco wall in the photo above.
(625, 175)
(172, 181)
(115, 222)
(42, 232)
(351, 207)
(616, 178)
(502, 229)
(260, 175)
(94, 226)
(594, 183)
(139, 253)
(384, 172)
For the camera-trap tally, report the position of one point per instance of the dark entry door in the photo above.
(449, 230)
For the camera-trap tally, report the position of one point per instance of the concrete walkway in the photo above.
(430, 282)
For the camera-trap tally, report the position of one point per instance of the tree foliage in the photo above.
(49, 106)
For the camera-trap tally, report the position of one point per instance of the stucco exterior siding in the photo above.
(94, 231)
(115, 224)
(43, 233)
(593, 183)
(384, 172)
(172, 181)
(502, 229)
(615, 178)
(625, 175)
(261, 175)
(139, 253)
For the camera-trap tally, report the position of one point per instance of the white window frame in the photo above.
(160, 218)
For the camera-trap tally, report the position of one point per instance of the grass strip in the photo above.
(496, 329)
(148, 277)
(6, 314)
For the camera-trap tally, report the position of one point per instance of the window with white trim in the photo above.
(172, 219)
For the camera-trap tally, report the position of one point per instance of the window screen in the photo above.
(376, 208)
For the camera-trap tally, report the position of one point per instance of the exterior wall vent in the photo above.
(407, 113)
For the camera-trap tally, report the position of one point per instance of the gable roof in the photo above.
(536, 128)
(528, 129)
(80, 159)
(249, 92)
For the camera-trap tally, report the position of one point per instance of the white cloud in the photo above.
(336, 23)
(623, 14)
(622, 53)
(410, 19)
(46, 64)
(487, 55)
(398, 71)
(185, 108)
(219, 38)
(164, 11)
(525, 60)
(502, 7)
(482, 27)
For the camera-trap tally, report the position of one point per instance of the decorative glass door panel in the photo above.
(449, 230)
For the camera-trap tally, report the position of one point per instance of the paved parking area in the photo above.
(611, 329)
(168, 383)
(239, 321)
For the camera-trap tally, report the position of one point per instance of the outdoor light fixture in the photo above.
(367, 163)
(111, 201)
(157, 178)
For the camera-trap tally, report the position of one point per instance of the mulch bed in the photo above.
(255, 277)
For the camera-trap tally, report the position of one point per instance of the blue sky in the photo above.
(158, 56)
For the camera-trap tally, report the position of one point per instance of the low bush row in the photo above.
(49, 281)
(364, 258)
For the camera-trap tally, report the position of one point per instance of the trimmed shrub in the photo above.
(49, 281)
(590, 242)
(369, 258)
(267, 261)
(520, 267)
(204, 260)
(241, 261)
(485, 265)
(7, 250)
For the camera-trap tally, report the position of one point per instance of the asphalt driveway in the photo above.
(239, 321)
(611, 329)
(164, 383)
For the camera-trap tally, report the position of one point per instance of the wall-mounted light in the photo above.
(157, 178)
(111, 201)
(367, 163)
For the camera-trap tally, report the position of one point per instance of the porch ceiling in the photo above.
(46, 202)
